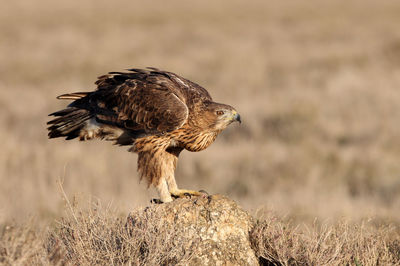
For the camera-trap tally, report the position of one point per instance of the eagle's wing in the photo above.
(140, 102)
(142, 99)
(189, 88)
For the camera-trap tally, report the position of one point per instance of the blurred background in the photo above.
(317, 84)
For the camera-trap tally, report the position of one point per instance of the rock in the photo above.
(209, 231)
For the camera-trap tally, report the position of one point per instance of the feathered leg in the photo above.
(171, 162)
(158, 166)
(162, 189)
(152, 166)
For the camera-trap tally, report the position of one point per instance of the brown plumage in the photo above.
(157, 112)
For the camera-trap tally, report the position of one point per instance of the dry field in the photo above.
(317, 84)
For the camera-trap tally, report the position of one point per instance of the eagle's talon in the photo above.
(183, 193)
(156, 201)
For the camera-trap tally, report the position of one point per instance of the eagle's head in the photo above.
(219, 116)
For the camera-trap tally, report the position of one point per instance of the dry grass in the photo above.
(21, 244)
(279, 242)
(317, 85)
(98, 236)
(101, 236)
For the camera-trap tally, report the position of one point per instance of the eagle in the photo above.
(158, 113)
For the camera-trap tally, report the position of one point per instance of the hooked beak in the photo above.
(237, 118)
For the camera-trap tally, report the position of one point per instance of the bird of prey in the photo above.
(157, 113)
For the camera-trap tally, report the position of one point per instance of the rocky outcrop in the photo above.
(211, 231)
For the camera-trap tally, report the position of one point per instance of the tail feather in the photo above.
(78, 120)
(73, 96)
(69, 123)
(61, 112)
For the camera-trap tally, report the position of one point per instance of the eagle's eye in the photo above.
(220, 112)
